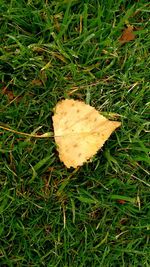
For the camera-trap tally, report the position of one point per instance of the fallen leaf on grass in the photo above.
(8, 93)
(5, 90)
(121, 201)
(36, 82)
(79, 131)
(127, 35)
(41, 80)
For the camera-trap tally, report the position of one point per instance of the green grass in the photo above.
(99, 214)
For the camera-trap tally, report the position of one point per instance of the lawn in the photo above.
(97, 215)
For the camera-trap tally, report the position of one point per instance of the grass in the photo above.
(99, 214)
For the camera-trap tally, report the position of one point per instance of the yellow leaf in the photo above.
(79, 131)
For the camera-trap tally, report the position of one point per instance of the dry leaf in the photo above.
(121, 201)
(79, 131)
(127, 35)
(36, 82)
(10, 95)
